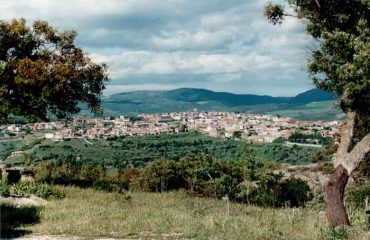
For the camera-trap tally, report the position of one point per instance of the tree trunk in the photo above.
(333, 197)
(346, 160)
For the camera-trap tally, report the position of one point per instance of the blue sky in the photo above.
(222, 45)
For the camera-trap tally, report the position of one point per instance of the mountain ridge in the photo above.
(186, 99)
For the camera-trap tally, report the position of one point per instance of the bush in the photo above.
(324, 155)
(295, 192)
(271, 192)
(244, 181)
(25, 189)
(356, 196)
(69, 173)
(226, 185)
(268, 191)
(103, 185)
(4, 187)
(159, 176)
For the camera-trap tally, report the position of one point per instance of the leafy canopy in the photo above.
(342, 62)
(43, 73)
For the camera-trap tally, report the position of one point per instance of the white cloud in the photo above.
(229, 41)
(112, 89)
(143, 62)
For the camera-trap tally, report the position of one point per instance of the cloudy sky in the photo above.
(222, 45)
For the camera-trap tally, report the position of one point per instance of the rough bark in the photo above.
(347, 133)
(334, 194)
(346, 161)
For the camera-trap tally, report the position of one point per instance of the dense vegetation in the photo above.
(314, 138)
(43, 73)
(247, 180)
(137, 151)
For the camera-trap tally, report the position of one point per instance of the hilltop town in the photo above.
(245, 126)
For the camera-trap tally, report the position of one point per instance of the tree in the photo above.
(43, 73)
(340, 64)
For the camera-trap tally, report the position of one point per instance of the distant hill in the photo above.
(313, 95)
(186, 99)
(202, 95)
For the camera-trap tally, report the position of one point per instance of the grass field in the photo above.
(91, 214)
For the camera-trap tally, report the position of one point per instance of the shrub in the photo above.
(103, 185)
(295, 192)
(43, 173)
(226, 185)
(125, 178)
(356, 196)
(324, 155)
(68, 173)
(26, 189)
(159, 176)
(268, 191)
(4, 187)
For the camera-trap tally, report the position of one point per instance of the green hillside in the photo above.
(313, 104)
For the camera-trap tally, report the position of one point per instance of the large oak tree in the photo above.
(340, 64)
(43, 73)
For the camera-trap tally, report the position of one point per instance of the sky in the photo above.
(221, 45)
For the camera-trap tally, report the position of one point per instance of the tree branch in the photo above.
(290, 15)
(317, 3)
(360, 151)
(347, 133)
(352, 160)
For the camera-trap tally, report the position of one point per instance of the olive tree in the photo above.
(43, 73)
(340, 64)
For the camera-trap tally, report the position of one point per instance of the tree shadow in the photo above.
(12, 217)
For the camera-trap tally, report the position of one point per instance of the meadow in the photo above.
(90, 214)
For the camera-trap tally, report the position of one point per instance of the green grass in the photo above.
(138, 151)
(7, 147)
(174, 215)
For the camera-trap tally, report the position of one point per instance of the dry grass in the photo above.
(87, 213)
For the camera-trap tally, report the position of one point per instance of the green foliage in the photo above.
(251, 165)
(244, 181)
(315, 138)
(103, 185)
(74, 173)
(4, 187)
(357, 196)
(324, 155)
(268, 191)
(159, 176)
(42, 71)
(68, 173)
(295, 192)
(274, 12)
(335, 233)
(226, 185)
(340, 64)
(137, 151)
(25, 189)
